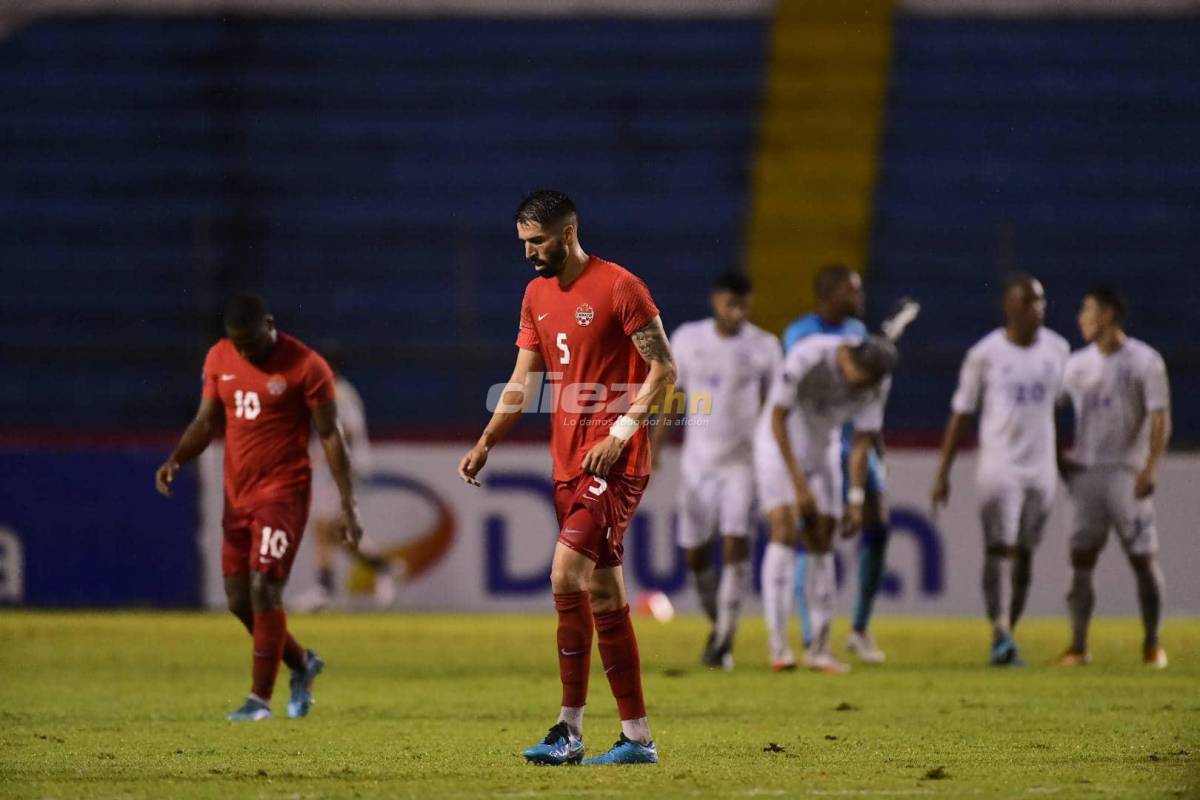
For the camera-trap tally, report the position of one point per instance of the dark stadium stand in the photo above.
(1062, 148)
(362, 175)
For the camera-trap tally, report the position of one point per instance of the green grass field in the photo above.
(132, 705)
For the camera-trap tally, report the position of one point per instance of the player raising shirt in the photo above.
(1118, 387)
(725, 366)
(1015, 374)
(595, 327)
(266, 388)
(839, 293)
(825, 382)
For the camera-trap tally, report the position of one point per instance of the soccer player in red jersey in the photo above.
(595, 326)
(267, 388)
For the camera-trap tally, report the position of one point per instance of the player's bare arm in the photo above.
(661, 426)
(860, 454)
(951, 441)
(804, 498)
(655, 349)
(196, 437)
(1160, 434)
(508, 411)
(337, 455)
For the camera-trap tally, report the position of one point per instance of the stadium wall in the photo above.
(489, 548)
(84, 529)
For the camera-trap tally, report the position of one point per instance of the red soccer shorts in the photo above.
(264, 538)
(593, 513)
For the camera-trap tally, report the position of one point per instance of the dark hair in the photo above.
(830, 278)
(546, 207)
(245, 311)
(732, 281)
(877, 355)
(1111, 299)
(1014, 279)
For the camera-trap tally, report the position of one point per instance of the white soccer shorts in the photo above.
(775, 487)
(1013, 512)
(718, 503)
(1102, 499)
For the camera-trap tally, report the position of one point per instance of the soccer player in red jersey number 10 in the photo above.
(592, 327)
(269, 390)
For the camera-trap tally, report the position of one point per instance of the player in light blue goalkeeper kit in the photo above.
(839, 305)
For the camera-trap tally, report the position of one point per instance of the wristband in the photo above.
(624, 428)
(856, 496)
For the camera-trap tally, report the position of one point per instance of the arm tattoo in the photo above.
(651, 342)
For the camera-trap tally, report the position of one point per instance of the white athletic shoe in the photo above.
(863, 647)
(385, 590)
(1155, 657)
(825, 662)
(783, 661)
(315, 599)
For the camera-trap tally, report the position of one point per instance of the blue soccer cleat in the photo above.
(626, 751)
(301, 684)
(252, 710)
(1005, 654)
(558, 748)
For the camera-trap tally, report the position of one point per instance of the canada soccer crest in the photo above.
(585, 314)
(276, 385)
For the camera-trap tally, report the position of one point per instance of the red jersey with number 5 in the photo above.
(268, 411)
(583, 334)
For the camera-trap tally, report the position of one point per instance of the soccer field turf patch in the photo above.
(133, 705)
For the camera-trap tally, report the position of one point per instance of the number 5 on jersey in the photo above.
(561, 341)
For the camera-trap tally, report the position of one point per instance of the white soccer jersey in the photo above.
(1113, 396)
(810, 383)
(735, 372)
(1018, 388)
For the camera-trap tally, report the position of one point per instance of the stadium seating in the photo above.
(361, 174)
(1065, 148)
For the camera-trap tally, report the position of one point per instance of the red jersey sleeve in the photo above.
(208, 376)
(632, 303)
(318, 381)
(527, 337)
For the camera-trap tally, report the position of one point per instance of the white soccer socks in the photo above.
(778, 578)
(820, 585)
(735, 580)
(574, 719)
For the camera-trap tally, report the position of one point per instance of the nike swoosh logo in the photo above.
(228, 377)
(610, 669)
(572, 652)
(542, 316)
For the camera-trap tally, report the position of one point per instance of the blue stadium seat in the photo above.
(359, 173)
(1065, 148)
